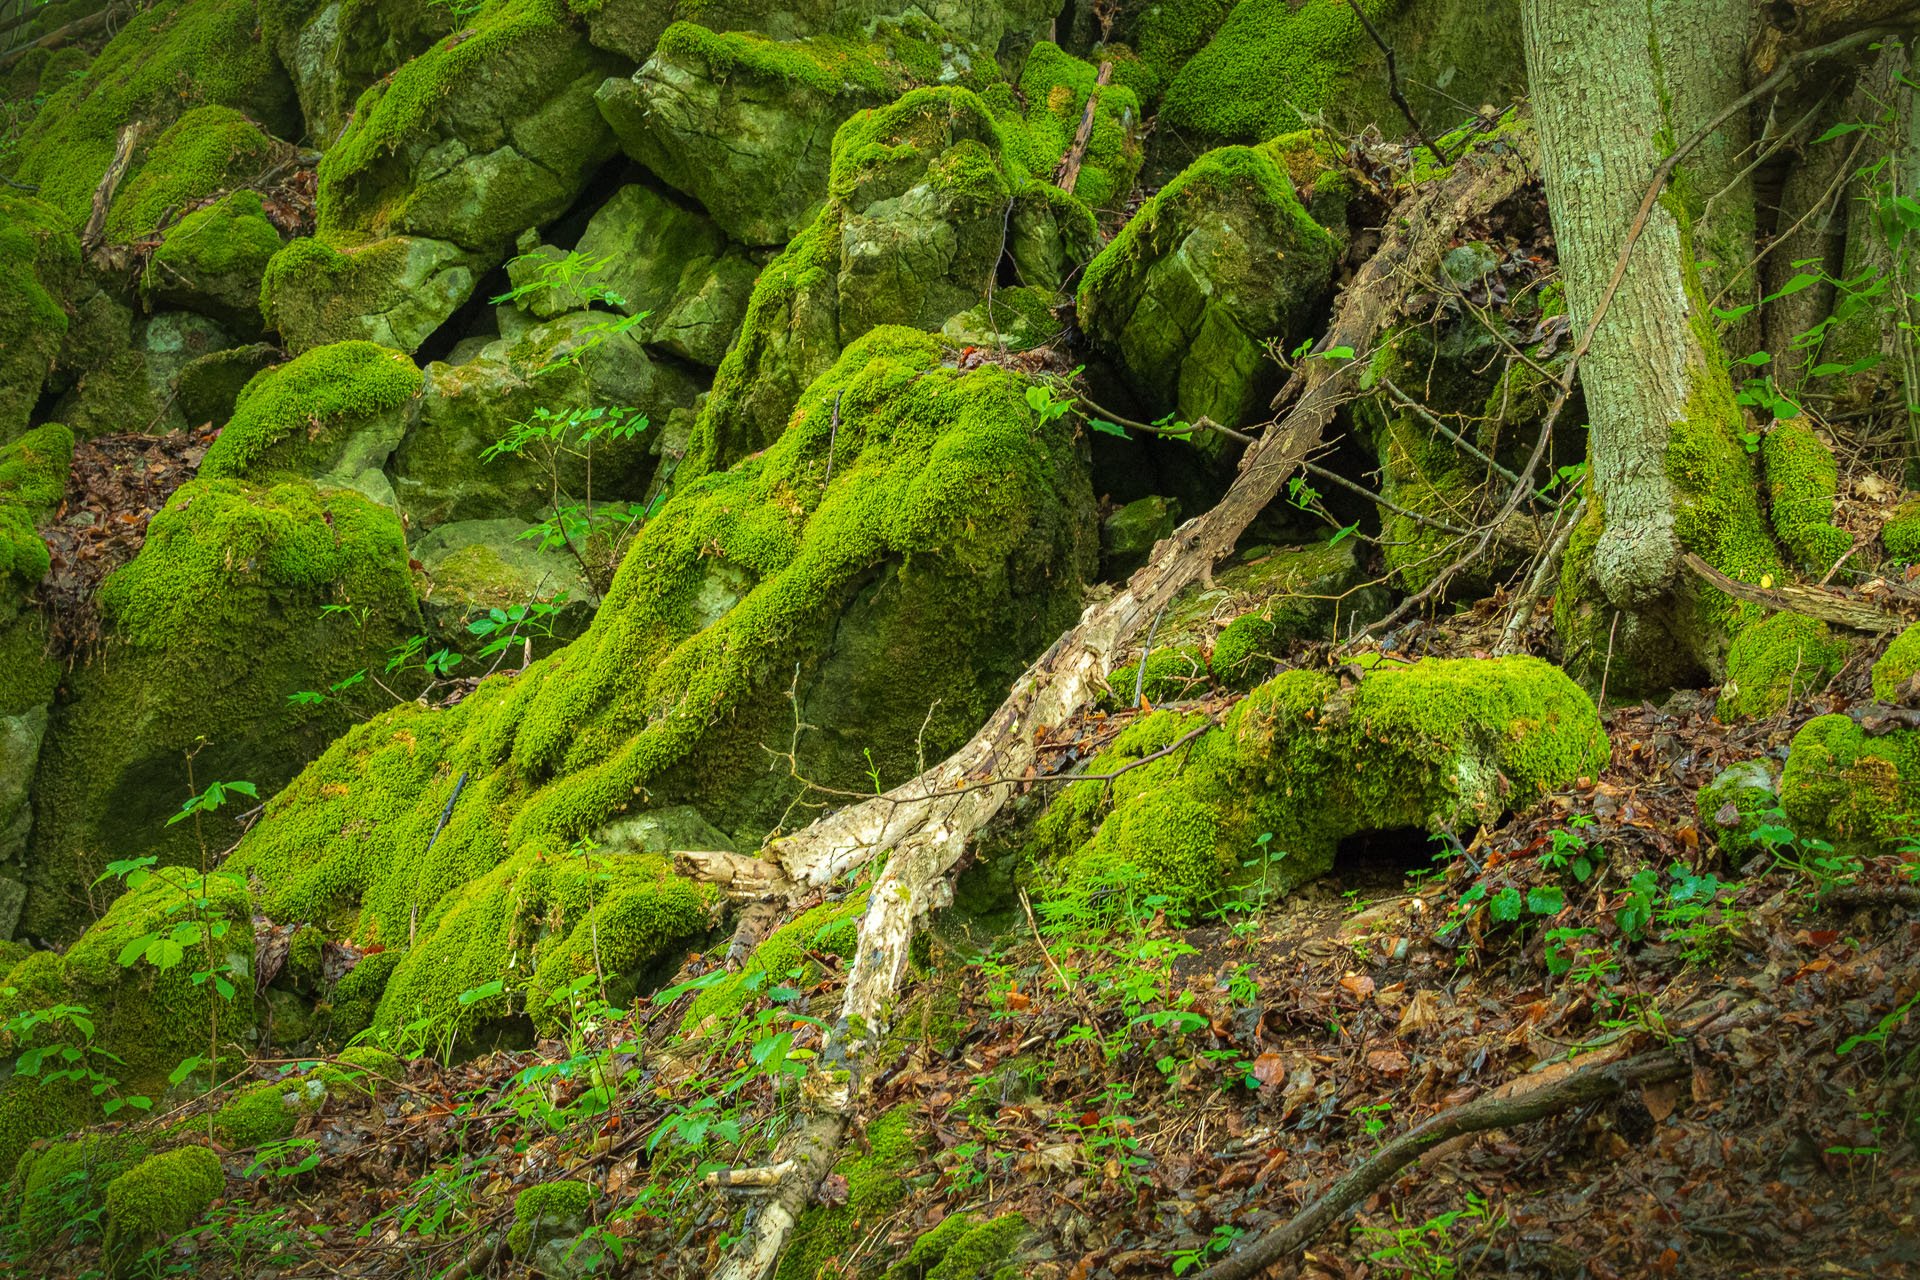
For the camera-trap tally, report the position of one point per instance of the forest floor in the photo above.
(1150, 1096)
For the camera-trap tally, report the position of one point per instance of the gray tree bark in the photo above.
(1617, 84)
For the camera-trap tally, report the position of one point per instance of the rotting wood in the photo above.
(95, 233)
(926, 823)
(1811, 602)
(1069, 171)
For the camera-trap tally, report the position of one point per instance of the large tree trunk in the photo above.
(1668, 472)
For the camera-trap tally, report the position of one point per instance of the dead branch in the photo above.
(1543, 572)
(926, 823)
(1393, 84)
(96, 229)
(1591, 1084)
(1069, 171)
(1809, 602)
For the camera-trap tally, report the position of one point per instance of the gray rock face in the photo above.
(658, 257)
(665, 830)
(343, 49)
(573, 362)
(20, 738)
(395, 291)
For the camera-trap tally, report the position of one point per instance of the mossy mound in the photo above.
(169, 59)
(485, 134)
(1853, 789)
(1056, 86)
(1439, 744)
(963, 1247)
(1185, 298)
(156, 1200)
(334, 411)
(1735, 804)
(150, 1018)
(546, 1211)
(39, 269)
(53, 1185)
(335, 52)
(213, 261)
(216, 624)
(1801, 482)
(395, 291)
(923, 199)
(207, 150)
(1901, 533)
(1896, 667)
(1774, 661)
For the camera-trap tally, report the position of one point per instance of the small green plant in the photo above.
(288, 1158)
(561, 443)
(1432, 1249)
(66, 1052)
(1185, 1260)
(1569, 851)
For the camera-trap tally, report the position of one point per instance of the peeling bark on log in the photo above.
(1810, 602)
(927, 822)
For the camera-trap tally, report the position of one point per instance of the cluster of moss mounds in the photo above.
(156, 1200)
(1437, 744)
(213, 627)
(946, 547)
(209, 149)
(1775, 661)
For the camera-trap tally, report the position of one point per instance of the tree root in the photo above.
(926, 823)
(1494, 1111)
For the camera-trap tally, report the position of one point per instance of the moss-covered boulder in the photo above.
(1901, 533)
(1056, 86)
(487, 133)
(213, 260)
(395, 291)
(335, 50)
(575, 363)
(1018, 318)
(215, 625)
(550, 1211)
(54, 1183)
(1893, 673)
(333, 414)
(1223, 260)
(924, 198)
(39, 268)
(1440, 744)
(744, 124)
(130, 387)
(1735, 804)
(657, 256)
(1154, 39)
(151, 1018)
(155, 1201)
(206, 151)
(1127, 536)
(1802, 480)
(1852, 788)
(209, 385)
(963, 1247)
(907, 593)
(170, 58)
(1272, 62)
(1775, 661)
(471, 568)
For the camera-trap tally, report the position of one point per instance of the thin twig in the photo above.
(1393, 84)
(1425, 415)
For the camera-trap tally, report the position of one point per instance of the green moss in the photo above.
(258, 1115)
(207, 150)
(540, 1213)
(1897, 665)
(1850, 788)
(1775, 661)
(33, 470)
(1801, 482)
(356, 998)
(1270, 62)
(1166, 35)
(1754, 796)
(156, 1200)
(1173, 675)
(831, 929)
(63, 1181)
(1433, 745)
(1056, 86)
(213, 261)
(874, 1186)
(290, 418)
(170, 58)
(39, 269)
(1901, 533)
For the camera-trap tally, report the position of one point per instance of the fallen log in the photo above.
(1811, 602)
(925, 824)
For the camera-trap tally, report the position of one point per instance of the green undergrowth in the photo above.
(1440, 745)
(831, 928)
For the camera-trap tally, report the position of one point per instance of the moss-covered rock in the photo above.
(1127, 536)
(1774, 661)
(209, 385)
(394, 291)
(469, 568)
(1158, 37)
(485, 134)
(1273, 62)
(1895, 669)
(58, 1183)
(39, 268)
(333, 414)
(156, 1200)
(874, 1186)
(1018, 318)
(923, 201)
(964, 1248)
(1901, 533)
(172, 57)
(1056, 86)
(213, 261)
(744, 124)
(1801, 482)
(656, 256)
(1437, 744)
(216, 624)
(575, 362)
(547, 1211)
(1185, 298)
(337, 49)
(208, 150)
(947, 548)
(1735, 804)
(1841, 784)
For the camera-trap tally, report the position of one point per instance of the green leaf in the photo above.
(1108, 428)
(164, 953)
(1804, 280)
(186, 1068)
(1337, 353)
(1546, 900)
(1505, 905)
(484, 991)
(1839, 131)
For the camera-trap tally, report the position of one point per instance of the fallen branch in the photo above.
(1543, 571)
(1810, 602)
(927, 822)
(1069, 171)
(1591, 1084)
(95, 232)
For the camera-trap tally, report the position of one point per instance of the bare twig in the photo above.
(1427, 416)
(1393, 84)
